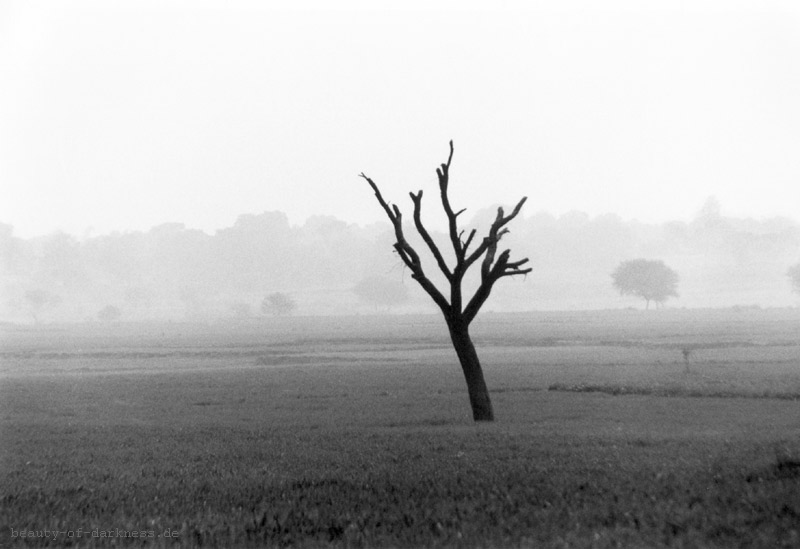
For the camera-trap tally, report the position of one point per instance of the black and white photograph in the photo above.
(420, 274)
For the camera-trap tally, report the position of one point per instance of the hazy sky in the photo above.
(125, 115)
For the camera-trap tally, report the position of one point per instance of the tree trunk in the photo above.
(473, 373)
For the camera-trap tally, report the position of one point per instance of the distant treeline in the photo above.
(172, 272)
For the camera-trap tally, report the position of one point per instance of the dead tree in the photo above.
(458, 312)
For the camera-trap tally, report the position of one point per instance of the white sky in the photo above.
(122, 116)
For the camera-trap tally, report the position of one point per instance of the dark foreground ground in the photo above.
(356, 432)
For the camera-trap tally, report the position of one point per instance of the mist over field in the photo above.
(218, 330)
(173, 272)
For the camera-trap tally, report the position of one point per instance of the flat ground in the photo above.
(615, 429)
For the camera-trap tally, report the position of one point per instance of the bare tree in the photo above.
(458, 312)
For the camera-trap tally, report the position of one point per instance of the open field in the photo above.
(356, 432)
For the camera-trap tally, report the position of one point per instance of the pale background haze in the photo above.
(122, 116)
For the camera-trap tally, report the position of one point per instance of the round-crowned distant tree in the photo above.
(39, 301)
(109, 313)
(651, 280)
(794, 277)
(278, 304)
(381, 291)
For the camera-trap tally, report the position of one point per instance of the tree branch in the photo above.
(513, 268)
(493, 266)
(493, 269)
(496, 232)
(432, 291)
(378, 195)
(443, 173)
(503, 267)
(466, 244)
(417, 199)
(406, 252)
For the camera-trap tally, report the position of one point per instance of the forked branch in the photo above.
(417, 199)
(409, 256)
(493, 269)
(493, 266)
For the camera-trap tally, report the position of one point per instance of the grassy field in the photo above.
(615, 429)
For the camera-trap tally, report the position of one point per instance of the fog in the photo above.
(171, 272)
(120, 116)
(247, 122)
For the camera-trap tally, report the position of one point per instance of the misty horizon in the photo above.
(434, 219)
(188, 160)
(175, 272)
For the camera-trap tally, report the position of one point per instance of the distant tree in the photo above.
(39, 301)
(650, 280)
(139, 299)
(109, 313)
(794, 277)
(381, 291)
(240, 309)
(192, 301)
(493, 266)
(278, 304)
